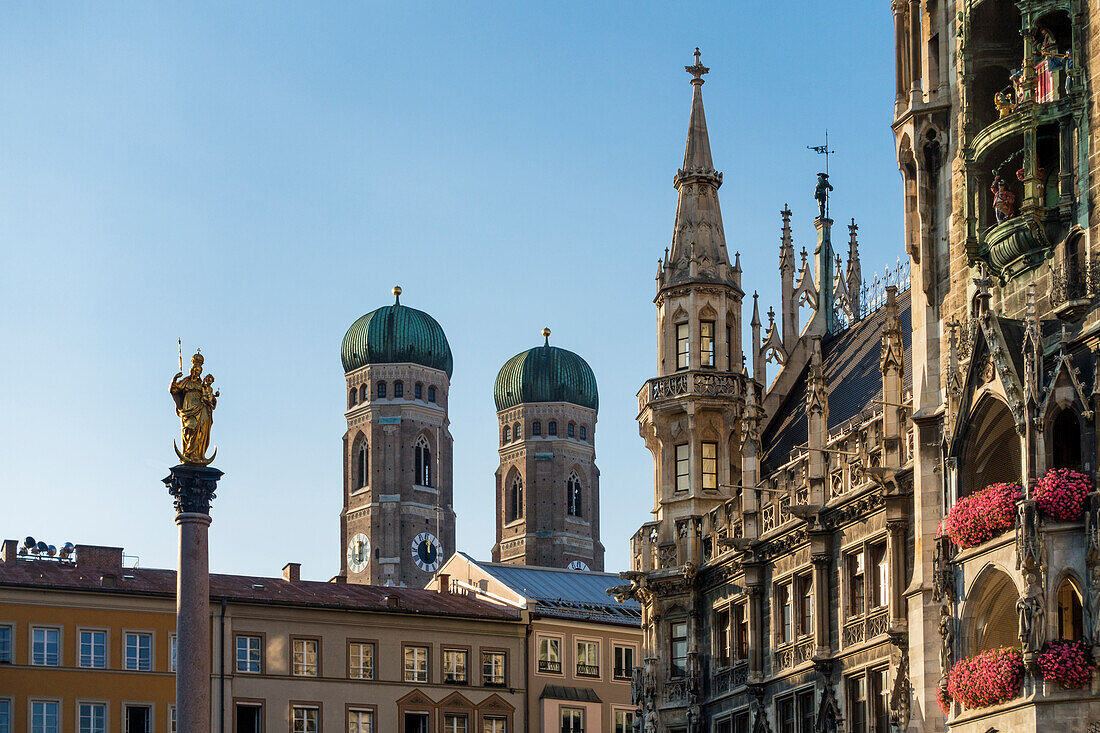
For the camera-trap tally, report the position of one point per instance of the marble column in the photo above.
(193, 487)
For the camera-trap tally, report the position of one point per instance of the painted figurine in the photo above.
(1004, 201)
(1003, 102)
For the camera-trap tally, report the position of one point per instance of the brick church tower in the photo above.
(548, 486)
(397, 526)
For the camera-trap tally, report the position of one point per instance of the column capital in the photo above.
(192, 487)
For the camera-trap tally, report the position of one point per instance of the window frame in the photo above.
(784, 627)
(466, 715)
(712, 339)
(494, 718)
(262, 638)
(77, 719)
(713, 464)
(615, 647)
(249, 702)
(427, 648)
(803, 587)
(173, 652)
(539, 666)
(682, 333)
(314, 705)
(515, 500)
(10, 627)
(536, 428)
(463, 651)
(60, 646)
(574, 489)
(674, 641)
(552, 428)
(487, 681)
(571, 711)
(681, 467)
(360, 708)
(9, 702)
(139, 633)
(423, 470)
(431, 393)
(380, 389)
(418, 391)
(628, 727)
(294, 639)
(373, 644)
(56, 702)
(80, 631)
(589, 642)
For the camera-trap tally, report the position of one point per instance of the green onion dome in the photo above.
(546, 374)
(396, 334)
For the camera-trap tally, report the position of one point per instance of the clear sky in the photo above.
(252, 177)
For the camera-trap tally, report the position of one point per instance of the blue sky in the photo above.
(252, 177)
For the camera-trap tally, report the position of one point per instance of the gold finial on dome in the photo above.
(546, 335)
(397, 295)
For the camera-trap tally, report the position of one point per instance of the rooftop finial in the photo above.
(546, 335)
(397, 295)
(697, 70)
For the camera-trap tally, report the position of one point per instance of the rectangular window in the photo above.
(45, 716)
(455, 723)
(172, 650)
(624, 662)
(706, 343)
(572, 721)
(93, 649)
(5, 645)
(360, 660)
(805, 700)
(361, 721)
(678, 641)
(588, 659)
(783, 612)
(710, 465)
(171, 719)
(304, 662)
(683, 467)
(880, 581)
(138, 652)
(494, 725)
(856, 583)
(416, 664)
(305, 720)
(5, 716)
(729, 349)
(624, 721)
(741, 630)
(857, 704)
(455, 664)
(248, 654)
(880, 699)
(91, 717)
(804, 586)
(723, 637)
(549, 654)
(137, 719)
(46, 647)
(784, 715)
(741, 723)
(683, 359)
(492, 668)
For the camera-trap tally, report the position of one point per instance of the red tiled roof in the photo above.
(248, 589)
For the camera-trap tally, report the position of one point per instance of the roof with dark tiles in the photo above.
(247, 589)
(850, 360)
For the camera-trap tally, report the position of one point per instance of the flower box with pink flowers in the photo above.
(1067, 663)
(988, 678)
(1060, 494)
(981, 516)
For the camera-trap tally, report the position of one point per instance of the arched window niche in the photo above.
(362, 465)
(1065, 440)
(422, 455)
(990, 619)
(1069, 617)
(574, 496)
(515, 499)
(517, 431)
(352, 397)
(991, 448)
(506, 435)
(364, 393)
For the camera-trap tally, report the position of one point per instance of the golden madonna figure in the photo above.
(195, 400)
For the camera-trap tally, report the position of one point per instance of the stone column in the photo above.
(754, 589)
(901, 86)
(915, 42)
(821, 558)
(193, 487)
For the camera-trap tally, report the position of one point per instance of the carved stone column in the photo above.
(895, 551)
(193, 487)
(915, 41)
(900, 82)
(821, 559)
(754, 589)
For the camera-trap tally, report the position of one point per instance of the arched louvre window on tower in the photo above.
(422, 453)
(363, 465)
(515, 499)
(573, 490)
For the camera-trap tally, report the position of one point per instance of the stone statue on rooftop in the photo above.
(821, 194)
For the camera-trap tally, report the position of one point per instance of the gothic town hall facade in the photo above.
(828, 551)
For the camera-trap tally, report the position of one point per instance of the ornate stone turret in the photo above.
(824, 320)
(855, 273)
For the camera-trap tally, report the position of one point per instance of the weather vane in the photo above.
(823, 150)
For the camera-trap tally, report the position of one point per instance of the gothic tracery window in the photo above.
(422, 454)
(362, 465)
(515, 499)
(574, 495)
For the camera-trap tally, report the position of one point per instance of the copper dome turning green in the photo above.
(546, 374)
(396, 334)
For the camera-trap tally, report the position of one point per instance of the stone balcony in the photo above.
(697, 383)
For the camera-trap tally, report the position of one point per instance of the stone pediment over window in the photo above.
(416, 698)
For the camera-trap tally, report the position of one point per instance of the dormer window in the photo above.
(683, 359)
(706, 343)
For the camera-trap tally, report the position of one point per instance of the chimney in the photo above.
(94, 556)
(444, 583)
(292, 572)
(393, 601)
(9, 550)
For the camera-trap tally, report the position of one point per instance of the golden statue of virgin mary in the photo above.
(195, 400)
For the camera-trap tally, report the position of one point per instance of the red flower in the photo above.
(983, 515)
(943, 699)
(1066, 662)
(1060, 494)
(987, 678)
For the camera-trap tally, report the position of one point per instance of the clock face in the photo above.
(426, 552)
(358, 553)
(577, 565)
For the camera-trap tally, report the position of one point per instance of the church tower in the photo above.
(397, 525)
(548, 486)
(689, 415)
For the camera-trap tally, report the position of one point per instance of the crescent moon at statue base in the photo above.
(201, 462)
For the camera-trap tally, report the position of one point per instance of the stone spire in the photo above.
(855, 274)
(788, 308)
(757, 351)
(698, 239)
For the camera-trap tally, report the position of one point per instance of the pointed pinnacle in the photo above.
(755, 310)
